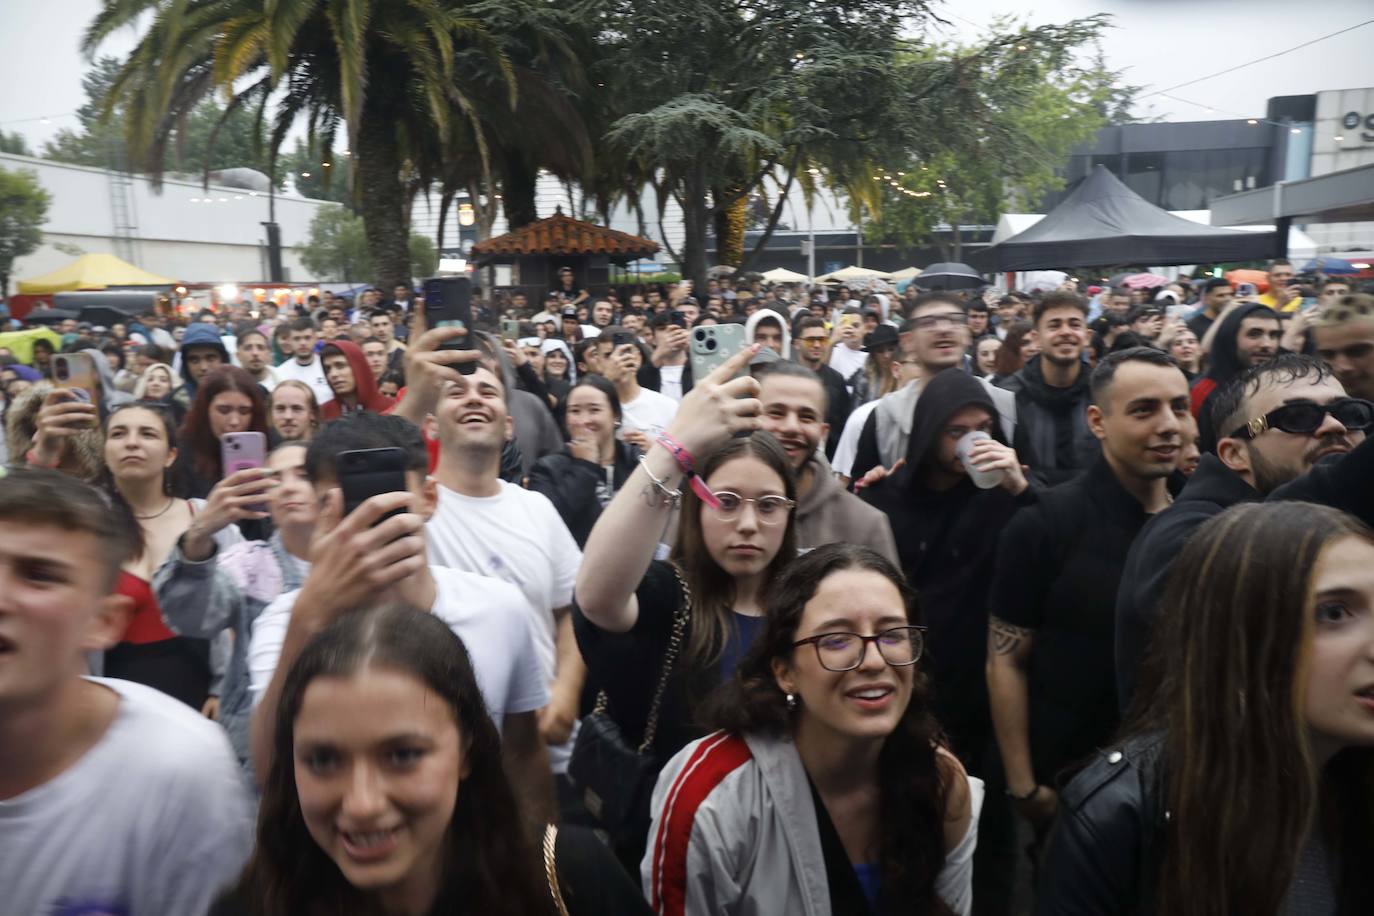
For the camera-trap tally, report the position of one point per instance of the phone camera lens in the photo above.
(711, 344)
(699, 334)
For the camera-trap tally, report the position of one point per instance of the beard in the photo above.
(1268, 475)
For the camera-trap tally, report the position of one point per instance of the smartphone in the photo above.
(677, 318)
(241, 451)
(510, 329)
(712, 345)
(620, 338)
(74, 372)
(448, 304)
(1246, 290)
(368, 472)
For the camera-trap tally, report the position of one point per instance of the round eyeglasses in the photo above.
(770, 510)
(899, 647)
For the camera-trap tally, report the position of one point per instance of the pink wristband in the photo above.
(681, 455)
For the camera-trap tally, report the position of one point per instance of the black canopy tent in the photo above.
(1103, 222)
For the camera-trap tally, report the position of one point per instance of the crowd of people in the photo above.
(922, 602)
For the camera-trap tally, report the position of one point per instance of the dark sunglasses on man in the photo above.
(1305, 417)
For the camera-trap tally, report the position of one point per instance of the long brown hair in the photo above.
(1009, 359)
(913, 785)
(196, 435)
(1224, 684)
(488, 866)
(713, 589)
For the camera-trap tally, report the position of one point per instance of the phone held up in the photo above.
(448, 304)
(75, 373)
(368, 472)
(712, 345)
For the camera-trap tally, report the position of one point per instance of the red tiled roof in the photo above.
(563, 235)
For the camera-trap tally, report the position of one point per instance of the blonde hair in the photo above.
(141, 387)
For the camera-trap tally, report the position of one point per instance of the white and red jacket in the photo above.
(734, 832)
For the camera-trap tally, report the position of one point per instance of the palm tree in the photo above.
(388, 71)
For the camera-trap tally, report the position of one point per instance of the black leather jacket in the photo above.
(1103, 853)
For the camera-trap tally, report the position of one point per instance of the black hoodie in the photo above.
(947, 542)
(1223, 364)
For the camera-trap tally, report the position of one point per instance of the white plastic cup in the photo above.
(984, 480)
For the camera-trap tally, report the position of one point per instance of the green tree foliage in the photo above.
(94, 141)
(338, 251)
(316, 180)
(385, 71)
(14, 144)
(23, 210)
(1034, 104)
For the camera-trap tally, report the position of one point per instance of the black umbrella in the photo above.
(951, 275)
(50, 316)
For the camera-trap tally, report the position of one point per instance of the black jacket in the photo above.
(838, 406)
(1340, 481)
(570, 484)
(1059, 564)
(1052, 434)
(1102, 858)
(947, 542)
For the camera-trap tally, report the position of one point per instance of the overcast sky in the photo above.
(1158, 43)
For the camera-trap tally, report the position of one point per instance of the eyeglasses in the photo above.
(1306, 418)
(771, 510)
(926, 322)
(899, 647)
(814, 341)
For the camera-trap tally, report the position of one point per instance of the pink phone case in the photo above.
(240, 451)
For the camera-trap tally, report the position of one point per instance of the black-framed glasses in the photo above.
(926, 322)
(899, 647)
(1305, 418)
(770, 510)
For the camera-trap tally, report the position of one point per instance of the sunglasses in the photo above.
(1304, 419)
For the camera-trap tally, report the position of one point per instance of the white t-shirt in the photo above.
(847, 449)
(519, 537)
(846, 360)
(312, 373)
(487, 614)
(649, 413)
(155, 818)
(670, 381)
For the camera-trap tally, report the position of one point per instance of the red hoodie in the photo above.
(368, 397)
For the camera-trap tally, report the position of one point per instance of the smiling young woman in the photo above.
(826, 789)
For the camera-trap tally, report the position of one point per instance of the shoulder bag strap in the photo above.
(551, 869)
(684, 610)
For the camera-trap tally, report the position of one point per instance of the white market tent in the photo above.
(906, 273)
(852, 275)
(783, 275)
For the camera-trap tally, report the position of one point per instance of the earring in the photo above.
(791, 701)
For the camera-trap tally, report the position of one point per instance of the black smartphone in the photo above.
(677, 318)
(368, 472)
(620, 338)
(448, 304)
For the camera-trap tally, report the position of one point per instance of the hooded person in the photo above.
(946, 529)
(353, 384)
(1228, 358)
(110, 396)
(203, 335)
(779, 342)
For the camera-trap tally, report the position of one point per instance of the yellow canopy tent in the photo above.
(91, 271)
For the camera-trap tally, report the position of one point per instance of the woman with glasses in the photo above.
(695, 617)
(826, 789)
(1245, 778)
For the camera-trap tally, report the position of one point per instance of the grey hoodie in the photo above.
(830, 514)
(110, 395)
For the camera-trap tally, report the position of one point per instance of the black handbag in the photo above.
(616, 779)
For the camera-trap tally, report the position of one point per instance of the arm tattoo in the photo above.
(1005, 638)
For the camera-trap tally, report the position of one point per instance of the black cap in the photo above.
(1143, 311)
(880, 336)
(569, 312)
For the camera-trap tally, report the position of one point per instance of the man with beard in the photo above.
(794, 411)
(1246, 335)
(1052, 393)
(1052, 605)
(1279, 419)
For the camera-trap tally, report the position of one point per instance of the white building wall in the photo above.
(183, 232)
(1355, 147)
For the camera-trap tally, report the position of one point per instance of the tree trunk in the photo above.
(730, 230)
(517, 190)
(696, 215)
(383, 196)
